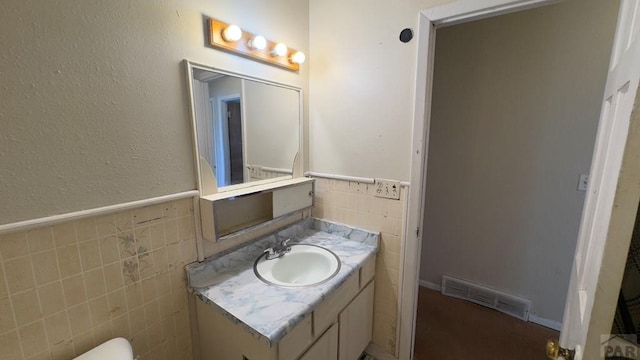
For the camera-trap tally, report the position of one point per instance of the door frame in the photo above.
(430, 20)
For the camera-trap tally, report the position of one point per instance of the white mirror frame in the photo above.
(296, 166)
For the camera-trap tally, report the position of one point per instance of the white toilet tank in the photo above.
(114, 349)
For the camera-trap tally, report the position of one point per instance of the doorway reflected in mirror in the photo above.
(247, 129)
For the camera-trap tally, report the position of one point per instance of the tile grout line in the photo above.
(104, 277)
(10, 298)
(84, 286)
(37, 294)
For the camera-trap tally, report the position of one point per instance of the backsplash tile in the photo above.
(6, 320)
(69, 260)
(19, 274)
(64, 234)
(86, 229)
(47, 269)
(40, 239)
(33, 338)
(13, 245)
(4, 291)
(74, 290)
(69, 287)
(26, 307)
(57, 328)
(8, 343)
(55, 298)
(90, 255)
(354, 203)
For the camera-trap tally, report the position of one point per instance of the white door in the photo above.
(596, 262)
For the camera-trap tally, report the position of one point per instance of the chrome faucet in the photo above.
(278, 251)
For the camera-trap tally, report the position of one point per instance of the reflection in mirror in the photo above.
(247, 129)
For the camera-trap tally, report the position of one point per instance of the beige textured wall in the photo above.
(94, 109)
(354, 204)
(67, 288)
(362, 85)
(516, 105)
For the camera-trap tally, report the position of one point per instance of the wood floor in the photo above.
(454, 329)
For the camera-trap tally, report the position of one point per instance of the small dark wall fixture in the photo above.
(406, 35)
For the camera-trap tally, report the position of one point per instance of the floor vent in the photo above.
(481, 295)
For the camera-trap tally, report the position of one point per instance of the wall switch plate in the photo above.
(387, 189)
(583, 182)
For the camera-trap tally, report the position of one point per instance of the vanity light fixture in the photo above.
(297, 58)
(232, 33)
(279, 50)
(233, 39)
(257, 42)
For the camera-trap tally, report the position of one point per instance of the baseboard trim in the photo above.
(375, 351)
(430, 285)
(551, 324)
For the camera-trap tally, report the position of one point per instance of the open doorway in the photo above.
(231, 108)
(228, 144)
(515, 108)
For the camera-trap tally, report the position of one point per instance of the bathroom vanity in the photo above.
(239, 316)
(250, 186)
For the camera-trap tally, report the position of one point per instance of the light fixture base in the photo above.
(241, 47)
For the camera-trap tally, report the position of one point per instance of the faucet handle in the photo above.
(286, 248)
(270, 253)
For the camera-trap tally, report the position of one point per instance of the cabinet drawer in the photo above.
(296, 341)
(326, 348)
(367, 271)
(327, 312)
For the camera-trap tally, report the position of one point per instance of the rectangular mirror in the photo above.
(246, 129)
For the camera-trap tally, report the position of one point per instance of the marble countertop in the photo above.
(269, 312)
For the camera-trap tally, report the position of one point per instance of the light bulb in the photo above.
(258, 42)
(232, 33)
(298, 57)
(280, 50)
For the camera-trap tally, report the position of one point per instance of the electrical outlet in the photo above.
(583, 182)
(387, 189)
(255, 172)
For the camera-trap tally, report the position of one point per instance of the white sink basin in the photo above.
(304, 265)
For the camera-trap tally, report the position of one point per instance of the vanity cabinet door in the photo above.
(326, 348)
(356, 325)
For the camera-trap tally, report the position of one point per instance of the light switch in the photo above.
(583, 182)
